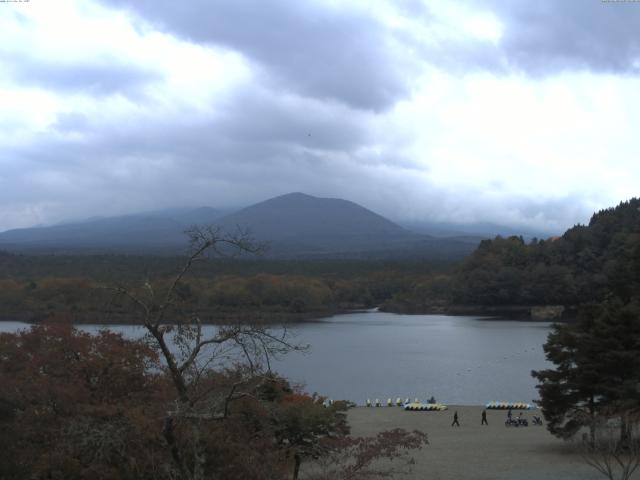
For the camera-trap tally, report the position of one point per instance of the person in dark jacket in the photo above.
(455, 419)
(484, 418)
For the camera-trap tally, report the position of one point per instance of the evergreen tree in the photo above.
(597, 368)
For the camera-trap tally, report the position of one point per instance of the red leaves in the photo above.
(73, 400)
(74, 405)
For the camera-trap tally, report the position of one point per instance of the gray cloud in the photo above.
(96, 78)
(261, 117)
(349, 56)
(222, 161)
(306, 122)
(322, 52)
(546, 36)
(91, 79)
(257, 145)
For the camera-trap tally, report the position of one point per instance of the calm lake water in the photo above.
(459, 360)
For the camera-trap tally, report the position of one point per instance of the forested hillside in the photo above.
(36, 288)
(587, 263)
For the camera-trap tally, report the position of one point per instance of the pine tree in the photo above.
(597, 369)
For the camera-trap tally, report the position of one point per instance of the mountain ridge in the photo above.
(295, 225)
(296, 214)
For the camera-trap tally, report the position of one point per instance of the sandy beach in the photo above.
(472, 451)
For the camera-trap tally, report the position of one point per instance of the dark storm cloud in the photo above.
(317, 51)
(547, 36)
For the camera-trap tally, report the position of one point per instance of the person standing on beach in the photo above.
(455, 419)
(484, 418)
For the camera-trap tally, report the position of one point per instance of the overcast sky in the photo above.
(525, 113)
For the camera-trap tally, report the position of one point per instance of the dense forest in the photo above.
(587, 263)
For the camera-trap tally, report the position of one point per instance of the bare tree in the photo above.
(614, 455)
(366, 458)
(190, 351)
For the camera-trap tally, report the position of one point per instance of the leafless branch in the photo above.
(610, 451)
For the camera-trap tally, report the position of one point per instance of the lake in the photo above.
(458, 360)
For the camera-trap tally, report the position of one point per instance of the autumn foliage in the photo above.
(75, 405)
(80, 406)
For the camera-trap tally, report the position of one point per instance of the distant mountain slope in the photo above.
(158, 230)
(300, 225)
(296, 215)
(294, 225)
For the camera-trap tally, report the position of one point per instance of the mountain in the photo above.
(294, 226)
(300, 225)
(159, 231)
(297, 217)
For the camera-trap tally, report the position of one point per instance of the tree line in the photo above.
(222, 289)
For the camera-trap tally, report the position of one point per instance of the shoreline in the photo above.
(271, 318)
(523, 313)
(286, 318)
